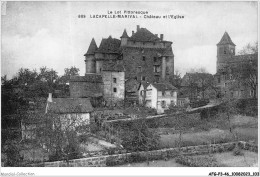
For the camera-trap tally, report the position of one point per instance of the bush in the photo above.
(191, 161)
(136, 157)
(237, 151)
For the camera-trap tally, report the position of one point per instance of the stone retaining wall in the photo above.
(152, 155)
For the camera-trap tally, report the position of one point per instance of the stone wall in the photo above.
(85, 89)
(136, 66)
(111, 81)
(118, 159)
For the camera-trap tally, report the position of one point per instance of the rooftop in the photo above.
(94, 78)
(70, 105)
(144, 35)
(109, 45)
(92, 47)
(226, 40)
(164, 86)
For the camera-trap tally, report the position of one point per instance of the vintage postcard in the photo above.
(123, 84)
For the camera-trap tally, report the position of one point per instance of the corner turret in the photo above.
(90, 57)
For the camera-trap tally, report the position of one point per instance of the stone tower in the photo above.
(124, 38)
(225, 50)
(90, 57)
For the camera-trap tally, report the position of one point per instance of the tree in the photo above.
(197, 82)
(138, 137)
(246, 73)
(249, 49)
(175, 79)
(68, 72)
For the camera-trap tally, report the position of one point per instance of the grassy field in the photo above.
(244, 128)
(226, 159)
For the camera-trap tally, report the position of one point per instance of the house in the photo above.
(236, 75)
(142, 92)
(131, 91)
(71, 113)
(160, 96)
(113, 77)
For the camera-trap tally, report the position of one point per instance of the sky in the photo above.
(36, 34)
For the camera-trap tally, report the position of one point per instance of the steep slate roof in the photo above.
(124, 35)
(70, 105)
(226, 40)
(92, 47)
(164, 86)
(145, 84)
(144, 35)
(117, 67)
(94, 78)
(109, 45)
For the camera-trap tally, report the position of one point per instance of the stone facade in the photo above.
(86, 86)
(114, 85)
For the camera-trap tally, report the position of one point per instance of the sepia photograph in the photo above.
(127, 84)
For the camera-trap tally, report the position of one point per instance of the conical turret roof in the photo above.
(124, 35)
(92, 47)
(225, 40)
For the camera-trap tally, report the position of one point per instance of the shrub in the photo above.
(191, 161)
(237, 151)
(111, 162)
(136, 157)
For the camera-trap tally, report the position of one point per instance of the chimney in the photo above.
(156, 35)
(49, 98)
(133, 33)
(161, 37)
(138, 27)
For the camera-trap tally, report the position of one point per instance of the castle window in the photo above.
(163, 104)
(154, 59)
(163, 93)
(171, 93)
(115, 90)
(167, 70)
(143, 58)
(143, 78)
(225, 52)
(156, 69)
(139, 69)
(157, 78)
(114, 80)
(100, 69)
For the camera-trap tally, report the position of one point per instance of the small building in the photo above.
(131, 91)
(113, 77)
(160, 96)
(142, 92)
(72, 112)
(183, 101)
